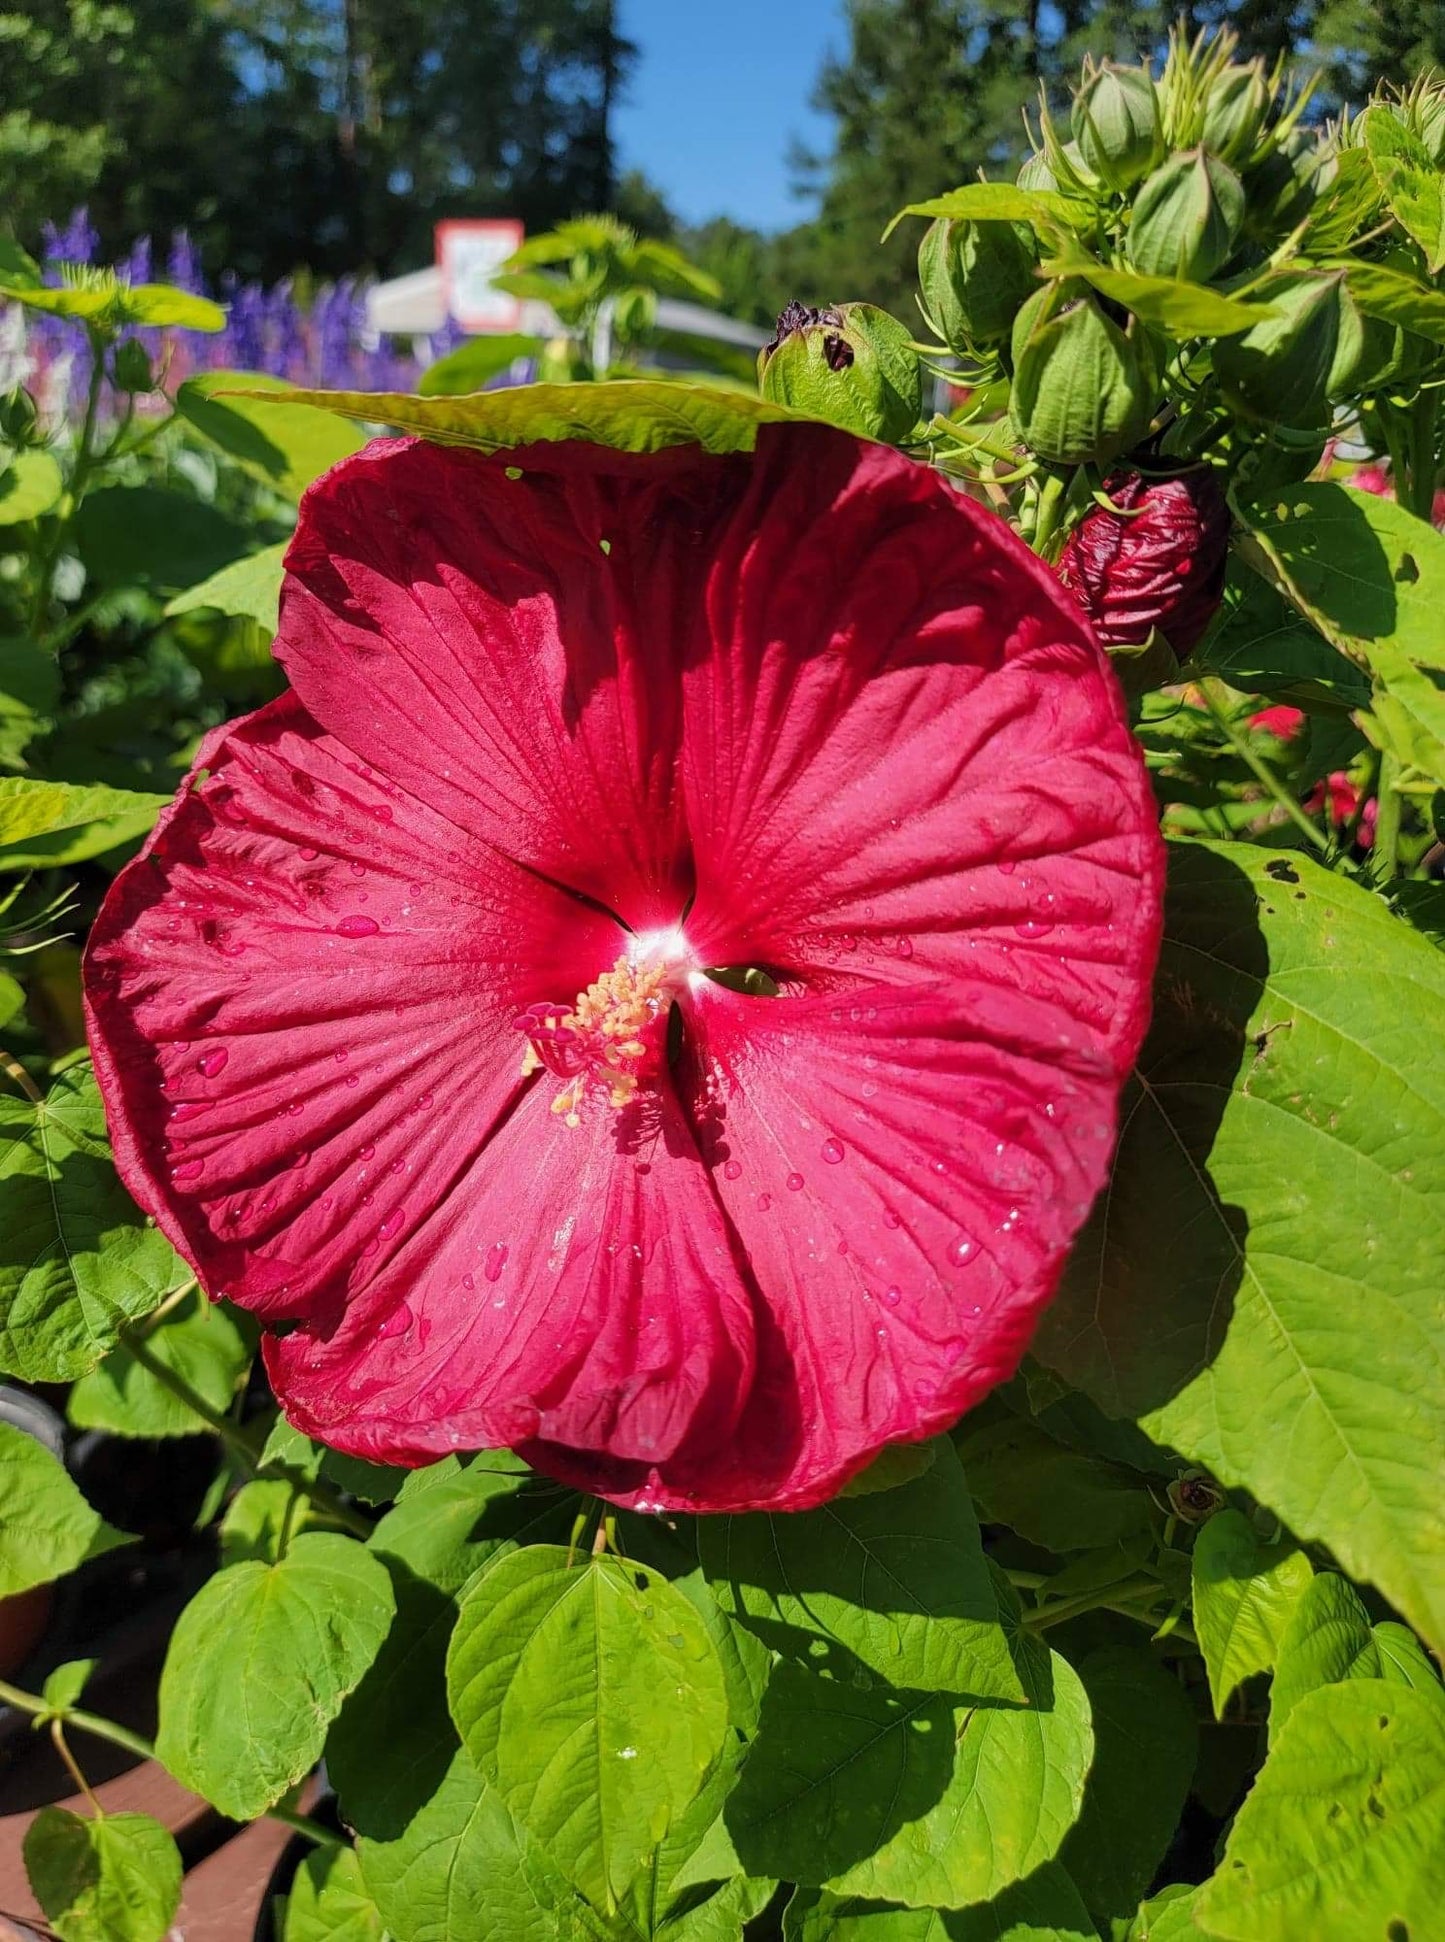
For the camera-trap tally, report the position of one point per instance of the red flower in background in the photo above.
(1158, 562)
(1338, 796)
(1281, 720)
(404, 1018)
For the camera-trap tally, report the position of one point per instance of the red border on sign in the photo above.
(503, 226)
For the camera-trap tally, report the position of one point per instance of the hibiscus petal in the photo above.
(579, 1286)
(302, 1003)
(906, 756)
(501, 634)
(904, 1169)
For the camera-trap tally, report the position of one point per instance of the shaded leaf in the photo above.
(1244, 1593)
(1275, 1174)
(111, 1880)
(1328, 1638)
(249, 588)
(30, 485)
(208, 1345)
(475, 363)
(1262, 644)
(149, 536)
(268, 426)
(1049, 1494)
(1044, 1908)
(896, 1581)
(76, 1257)
(46, 1526)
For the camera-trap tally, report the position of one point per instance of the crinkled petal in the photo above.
(302, 1001)
(906, 756)
(578, 1286)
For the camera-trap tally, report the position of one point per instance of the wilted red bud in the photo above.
(1158, 562)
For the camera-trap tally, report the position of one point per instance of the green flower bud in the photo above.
(1236, 111)
(19, 419)
(1116, 124)
(1037, 174)
(852, 364)
(1084, 389)
(1278, 372)
(1284, 186)
(1187, 218)
(974, 276)
(1429, 119)
(131, 367)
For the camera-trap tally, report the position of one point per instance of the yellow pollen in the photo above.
(611, 1032)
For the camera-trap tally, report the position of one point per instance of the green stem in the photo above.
(1420, 443)
(1260, 768)
(1387, 821)
(1048, 506)
(1115, 1598)
(80, 473)
(236, 1440)
(121, 1736)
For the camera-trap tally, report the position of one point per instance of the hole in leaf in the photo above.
(1281, 871)
(1397, 1932)
(1407, 572)
(639, 1578)
(1384, 1721)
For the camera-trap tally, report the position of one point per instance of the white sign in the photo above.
(470, 254)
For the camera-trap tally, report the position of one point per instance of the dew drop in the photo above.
(188, 1170)
(1032, 929)
(357, 927)
(367, 1152)
(424, 1099)
(187, 1108)
(340, 1057)
(212, 1062)
(892, 1296)
(383, 812)
(891, 1218)
(397, 1323)
(765, 1201)
(469, 1281)
(352, 1080)
(905, 947)
(496, 1260)
(832, 1152)
(733, 1170)
(308, 855)
(391, 1224)
(1007, 867)
(795, 1182)
(962, 1251)
(358, 869)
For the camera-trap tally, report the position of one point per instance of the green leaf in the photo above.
(207, 1344)
(261, 1518)
(1342, 1836)
(905, 1797)
(1166, 1917)
(76, 1257)
(389, 1748)
(629, 415)
(368, 1483)
(1407, 712)
(984, 202)
(474, 364)
(249, 588)
(269, 426)
(1395, 298)
(1244, 1593)
(116, 1879)
(1365, 571)
(1045, 1908)
(30, 808)
(1276, 1170)
(30, 485)
(328, 1901)
(1328, 1638)
(29, 690)
(895, 1581)
(149, 536)
(1168, 303)
(895, 1464)
(63, 1687)
(1262, 644)
(461, 1870)
(259, 1664)
(165, 307)
(594, 1701)
(1144, 1753)
(1409, 181)
(1049, 1494)
(1404, 1659)
(46, 1526)
(17, 270)
(12, 999)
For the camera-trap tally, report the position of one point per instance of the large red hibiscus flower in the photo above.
(409, 1019)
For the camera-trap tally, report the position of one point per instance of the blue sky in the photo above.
(719, 92)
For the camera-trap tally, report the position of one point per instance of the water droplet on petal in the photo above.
(1007, 867)
(367, 1152)
(891, 1218)
(391, 1224)
(733, 1170)
(383, 812)
(357, 927)
(396, 1323)
(905, 947)
(188, 1170)
(832, 1151)
(496, 1260)
(1032, 929)
(962, 1251)
(795, 1181)
(765, 1201)
(892, 1296)
(212, 1062)
(469, 1281)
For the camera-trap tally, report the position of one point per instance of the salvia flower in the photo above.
(654, 993)
(1156, 560)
